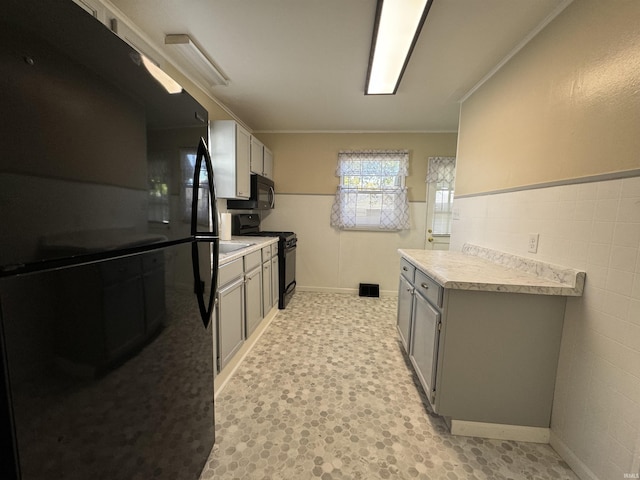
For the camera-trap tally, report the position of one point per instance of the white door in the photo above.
(440, 182)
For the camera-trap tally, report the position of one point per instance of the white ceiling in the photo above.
(300, 65)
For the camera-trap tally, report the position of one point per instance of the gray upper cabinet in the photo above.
(261, 159)
(231, 155)
(267, 165)
(257, 156)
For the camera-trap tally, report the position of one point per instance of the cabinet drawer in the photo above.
(274, 249)
(229, 272)
(407, 270)
(428, 288)
(252, 261)
(266, 253)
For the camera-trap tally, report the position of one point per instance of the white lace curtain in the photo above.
(442, 170)
(371, 194)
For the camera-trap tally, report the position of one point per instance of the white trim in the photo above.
(345, 291)
(547, 20)
(578, 467)
(354, 131)
(603, 177)
(499, 431)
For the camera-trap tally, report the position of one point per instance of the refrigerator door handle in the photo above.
(206, 309)
(203, 154)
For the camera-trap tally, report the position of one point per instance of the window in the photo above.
(440, 186)
(371, 194)
(158, 190)
(188, 161)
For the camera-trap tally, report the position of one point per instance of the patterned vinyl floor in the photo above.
(327, 393)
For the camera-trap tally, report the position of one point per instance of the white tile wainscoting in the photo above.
(594, 227)
(333, 260)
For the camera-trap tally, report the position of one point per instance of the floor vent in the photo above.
(369, 290)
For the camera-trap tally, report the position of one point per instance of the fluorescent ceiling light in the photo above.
(202, 66)
(165, 80)
(395, 33)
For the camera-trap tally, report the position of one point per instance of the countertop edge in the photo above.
(258, 244)
(545, 287)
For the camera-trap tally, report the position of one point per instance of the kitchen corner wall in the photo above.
(595, 227)
(550, 145)
(329, 259)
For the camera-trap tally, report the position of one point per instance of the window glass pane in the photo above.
(369, 185)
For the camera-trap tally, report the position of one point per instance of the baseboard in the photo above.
(346, 291)
(578, 467)
(499, 431)
(227, 373)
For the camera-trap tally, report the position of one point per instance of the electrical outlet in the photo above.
(533, 242)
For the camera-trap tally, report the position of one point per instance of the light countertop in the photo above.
(496, 272)
(257, 243)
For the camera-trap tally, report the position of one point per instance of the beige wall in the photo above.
(565, 107)
(306, 162)
(329, 259)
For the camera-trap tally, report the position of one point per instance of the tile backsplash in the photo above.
(593, 227)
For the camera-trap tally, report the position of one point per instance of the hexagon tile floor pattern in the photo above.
(327, 393)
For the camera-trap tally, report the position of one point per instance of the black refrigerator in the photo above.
(108, 257)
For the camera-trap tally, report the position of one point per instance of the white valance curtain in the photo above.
(371, 194)
(442, 170)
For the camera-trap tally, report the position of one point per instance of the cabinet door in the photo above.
(257, 156)
(424, 343)
(267, 169)
(243, 163)
(267, 298)
(253, 295)
(230, 317)
(405, 302)
(275, 279)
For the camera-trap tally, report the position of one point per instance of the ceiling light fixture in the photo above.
(395, 33)
(202, 66)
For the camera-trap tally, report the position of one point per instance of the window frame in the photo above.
(393, 200)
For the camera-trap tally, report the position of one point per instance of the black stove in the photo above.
(248, 224)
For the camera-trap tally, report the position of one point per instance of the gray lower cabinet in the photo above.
(423, 354)
(253, 294)
(244, 297)
(481, 356)
(275, 278)
(267, 299)
(267, 281)
(405, 305)
(230, 311)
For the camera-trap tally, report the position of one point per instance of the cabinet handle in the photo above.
(405, 269)
(425, 286)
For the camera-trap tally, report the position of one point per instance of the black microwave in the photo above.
(262, 197)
